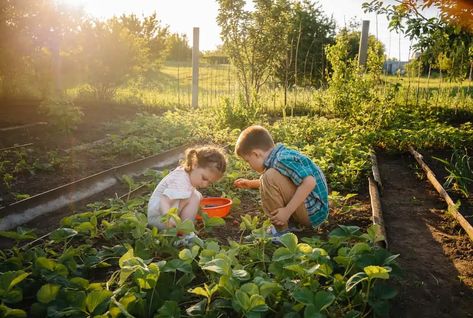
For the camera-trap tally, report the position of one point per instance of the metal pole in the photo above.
(363, 52)
(195, 68)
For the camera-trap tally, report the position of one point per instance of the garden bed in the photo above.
(436, 256)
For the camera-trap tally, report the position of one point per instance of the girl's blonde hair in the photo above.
(205, 157)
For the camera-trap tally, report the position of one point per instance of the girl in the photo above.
(202, 166)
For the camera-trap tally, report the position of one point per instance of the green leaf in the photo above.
(199, 291)
(95, 298)
(79, 281)
(47, 293)
(128, 255)
(186, 255)
(250, 288)
(323, 299)
(241, 274)
(296, 268)
(46, 263)
(8, 280)
(304, 296)
(269, 288)
(304, 248)
(281, 254)
(7, 312)
(170, 309)
(377, 272)
(257, 304)
(62, 234)
(242, 299)
(197, 309)
(85, 227)
(290, 241)
(359, 248)
(177, 264)
(185, 227)
(217, 265)
(21, 234)
(311, 312)
(214, 221)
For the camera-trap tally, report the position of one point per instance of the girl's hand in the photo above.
(242, 183)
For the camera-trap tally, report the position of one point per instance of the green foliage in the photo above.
(238, 115)
(179, 49)
(254, 40)
(459, 167)
(310, 30)
(442, 41)
(62, 114)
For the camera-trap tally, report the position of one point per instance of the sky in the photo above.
(182, 15)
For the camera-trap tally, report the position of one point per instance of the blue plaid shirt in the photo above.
(296, 167)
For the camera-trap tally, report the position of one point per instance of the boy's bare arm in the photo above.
(281, 216)
(247, 184)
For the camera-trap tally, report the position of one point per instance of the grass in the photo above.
(172, 88)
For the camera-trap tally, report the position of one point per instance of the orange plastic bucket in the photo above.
(215, 207)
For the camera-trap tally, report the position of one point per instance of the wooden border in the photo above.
(374, 184)
(452, 208)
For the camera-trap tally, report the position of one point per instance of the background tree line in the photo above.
(44, 41)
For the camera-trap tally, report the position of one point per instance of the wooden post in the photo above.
(195, 68)
(377, 211)
(452, 208)
(375, 170)
(363, 51)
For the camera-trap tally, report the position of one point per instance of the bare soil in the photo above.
(436, 256)
(98, 121)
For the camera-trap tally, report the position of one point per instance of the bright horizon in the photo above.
(182, 15)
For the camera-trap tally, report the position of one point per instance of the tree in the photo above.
(310, 31)
(179, 49)
(449, 36)
(149, 30)
(33, 36)
(111, 54)
(254, 40)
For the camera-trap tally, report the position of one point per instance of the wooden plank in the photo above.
(17, 146)
(23, 126)
(377, 212)
(452, 208)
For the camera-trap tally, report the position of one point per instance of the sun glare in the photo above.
(99, 9)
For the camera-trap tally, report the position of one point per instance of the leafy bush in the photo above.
(62, 113)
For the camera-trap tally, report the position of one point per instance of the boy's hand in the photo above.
(280, 217)
(242, 183)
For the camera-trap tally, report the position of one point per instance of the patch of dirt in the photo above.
(358, 214)
(435, 256)
(466, 206)
(98, 121)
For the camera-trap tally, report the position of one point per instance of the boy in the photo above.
(291, 185)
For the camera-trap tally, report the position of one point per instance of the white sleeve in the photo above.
(178, 187)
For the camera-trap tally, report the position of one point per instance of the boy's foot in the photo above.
(274, 234)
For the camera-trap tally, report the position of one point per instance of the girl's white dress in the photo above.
(176, 186)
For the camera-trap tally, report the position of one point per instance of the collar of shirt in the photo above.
(269, 161)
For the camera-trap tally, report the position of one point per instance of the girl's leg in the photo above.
(191, 207)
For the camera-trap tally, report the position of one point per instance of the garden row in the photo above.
(80, 270)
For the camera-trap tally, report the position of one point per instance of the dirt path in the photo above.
(436, 257)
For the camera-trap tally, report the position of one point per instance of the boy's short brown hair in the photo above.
(253, 137)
